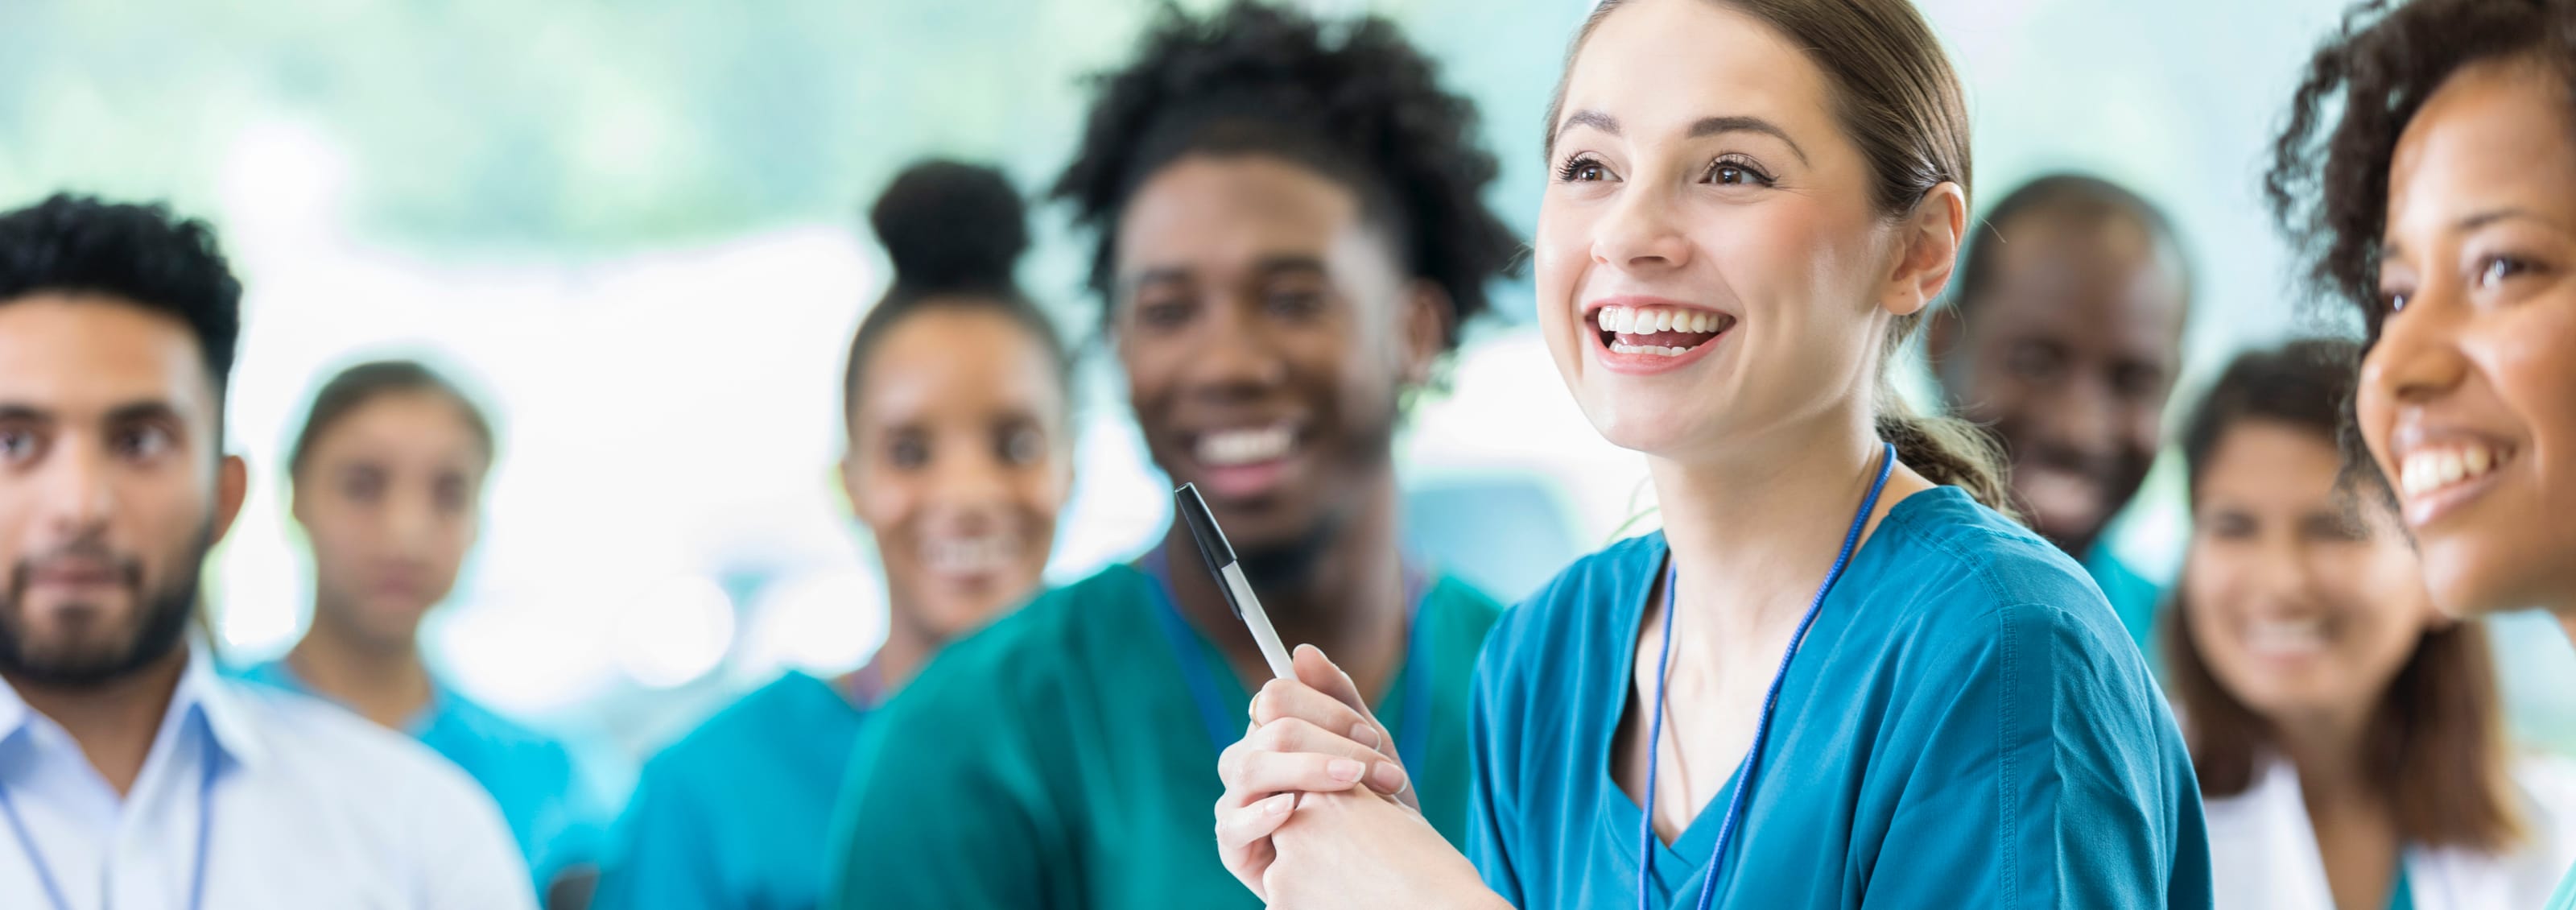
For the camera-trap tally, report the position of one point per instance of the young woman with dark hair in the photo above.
(2348, 737)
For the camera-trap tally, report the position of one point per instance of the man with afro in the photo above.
(1290, 238)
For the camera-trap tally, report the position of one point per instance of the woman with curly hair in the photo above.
(2428, 170)
(1289, 240)
(1839, 677)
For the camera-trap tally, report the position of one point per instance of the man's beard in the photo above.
(1289, 563)
(161, 620)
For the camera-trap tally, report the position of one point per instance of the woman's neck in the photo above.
(384, 681)
(1768, 517)
(908, 647)
(2357, 835)
(2329, 751)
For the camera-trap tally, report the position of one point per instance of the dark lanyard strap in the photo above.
(1734, 817)
(205, 836)
(1225, 725)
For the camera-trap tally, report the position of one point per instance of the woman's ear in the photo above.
(1928, 250)
(847, 472)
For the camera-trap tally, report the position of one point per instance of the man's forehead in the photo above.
(75, 353)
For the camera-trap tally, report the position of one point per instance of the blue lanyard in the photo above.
(1761, 728)
(1225, 725)
(205, 835)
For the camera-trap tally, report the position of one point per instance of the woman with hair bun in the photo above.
(959, 458)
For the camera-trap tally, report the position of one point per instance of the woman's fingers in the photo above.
(1277, 772)
(1292, 754)
(1243, 838)
(1314, 669)
(1281, 699)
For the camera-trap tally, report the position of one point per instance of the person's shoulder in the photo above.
(2548, 785)
(1626, 566)
(1052, 622)
(507, 738)
(1462, 605)
(1030, 655)
(1960, 566)
(347, 763)
(753, 717)
(1572, 606)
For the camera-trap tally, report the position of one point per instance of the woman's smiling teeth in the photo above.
(970, 555)
(1656, 320)
(2432, 468)
(2285, 637)
(1657, 331)
(1227, 448)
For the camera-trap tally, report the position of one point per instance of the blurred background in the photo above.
(635, 228)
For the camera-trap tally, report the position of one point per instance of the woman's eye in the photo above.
(2498, 268)
(909, 453)
(362, 486)
(17, 445)
(1735, 173)
(1022, 446)
(2392, 302)
(1580, 169)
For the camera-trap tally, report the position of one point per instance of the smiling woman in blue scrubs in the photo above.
(959, 459)
(1838, 678)
(387, 478)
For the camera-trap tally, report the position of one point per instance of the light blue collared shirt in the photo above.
(310, 807)
(559, 823)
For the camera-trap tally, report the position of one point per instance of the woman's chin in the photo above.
(2465, 587)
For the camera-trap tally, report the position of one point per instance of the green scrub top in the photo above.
(1058, 759)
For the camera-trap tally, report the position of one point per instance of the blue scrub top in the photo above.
(1965, 726)
(554, 810)
(2133, 598)
(738, 814)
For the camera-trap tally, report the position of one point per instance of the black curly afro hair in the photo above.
(1355, 102)
(137, 253)
(2328, 182)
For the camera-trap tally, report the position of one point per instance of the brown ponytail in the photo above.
(1898, 99)
(1945, 450)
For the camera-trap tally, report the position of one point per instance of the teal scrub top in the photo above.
(1058, 759)
(2565, 899)
(1966, 725)
(554, 810)
(736, 815)
(2133, 598)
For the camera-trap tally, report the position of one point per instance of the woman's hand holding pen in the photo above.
(1316, 792)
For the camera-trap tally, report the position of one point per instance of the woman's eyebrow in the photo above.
(1704, 127)
(1713, 126)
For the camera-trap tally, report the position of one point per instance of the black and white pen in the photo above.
(1229, 576)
